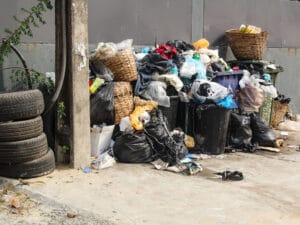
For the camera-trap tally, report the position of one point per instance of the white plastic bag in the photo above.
(100, 139)
(289, 125)
(156, 91)
(124, 44)
(247, 80)
(193, 67)
(203, 90)
(104, 161)
(125, 124)
(269, 90)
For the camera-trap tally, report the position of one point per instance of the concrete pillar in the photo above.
(78, 72)
(197, 19)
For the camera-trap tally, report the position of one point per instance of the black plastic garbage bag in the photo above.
(164, 145)
(102, 105)
(133, 148)
(240, 131)
(262, 134)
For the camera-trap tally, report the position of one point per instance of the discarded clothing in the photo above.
(181, 46)
(166, 51)
(154, 63)
(170, 53)
(170, 79)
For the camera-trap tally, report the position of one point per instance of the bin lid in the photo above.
(262, 66)
(227, 73)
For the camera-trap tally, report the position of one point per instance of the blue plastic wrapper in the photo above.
(228, 103)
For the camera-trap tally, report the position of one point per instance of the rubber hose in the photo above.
(63, 64)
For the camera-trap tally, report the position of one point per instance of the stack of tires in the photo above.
(24, 151)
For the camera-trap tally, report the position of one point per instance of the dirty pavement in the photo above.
(138, 194)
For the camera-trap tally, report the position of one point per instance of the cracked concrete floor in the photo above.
(128, 194)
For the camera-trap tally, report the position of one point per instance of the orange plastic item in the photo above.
(135, 115)
(202, 43)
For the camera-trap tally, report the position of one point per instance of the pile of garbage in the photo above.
(158, 104)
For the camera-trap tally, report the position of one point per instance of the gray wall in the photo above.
(142, 20)
(279, 17)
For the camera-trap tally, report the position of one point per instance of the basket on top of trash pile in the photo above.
(119, 58)
(248, 42)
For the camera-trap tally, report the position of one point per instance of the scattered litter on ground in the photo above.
(71, 215)
(86, 169)
(229, 175)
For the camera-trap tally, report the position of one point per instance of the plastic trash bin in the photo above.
(229, 79)
(185, 117)
(261, 67)
(171, 112)
(211, 126)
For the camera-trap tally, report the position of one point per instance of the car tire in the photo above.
(21, 130)
(35, 168)
(21, 105)
(22, 151)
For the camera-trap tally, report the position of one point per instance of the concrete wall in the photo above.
(142, 20)
(279, 17)
(9, 8)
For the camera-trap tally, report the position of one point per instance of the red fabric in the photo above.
(166, 51)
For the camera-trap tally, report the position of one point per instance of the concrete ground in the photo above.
(128, 194)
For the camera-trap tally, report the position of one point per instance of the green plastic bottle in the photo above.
(196, 56)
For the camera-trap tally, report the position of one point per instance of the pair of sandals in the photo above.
(229, 175)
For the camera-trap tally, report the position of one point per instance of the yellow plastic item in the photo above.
(96, 84)
(250, 29)
(189, 141)
(202, 43)
(134, 118)
(135, 115)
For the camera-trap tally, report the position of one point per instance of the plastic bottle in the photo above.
(196, 56)
(96, 84)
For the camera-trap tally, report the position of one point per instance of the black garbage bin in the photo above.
(171, 112)
(185, 117)
(211, 125)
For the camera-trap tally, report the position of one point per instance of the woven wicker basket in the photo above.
(278, 112)
(123, 100)
(247, 46)
(122, 65)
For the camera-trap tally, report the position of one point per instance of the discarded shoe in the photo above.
(228, 175)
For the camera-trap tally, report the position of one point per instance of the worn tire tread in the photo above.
(21, 130)
(21, 105)
(22, 151)
(35, 168)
